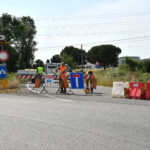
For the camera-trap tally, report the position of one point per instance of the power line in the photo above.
(118, 40)
(96, 25)
(105, 33)
(95, 16)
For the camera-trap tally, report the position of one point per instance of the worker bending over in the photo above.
(63, 77)
(91, 79)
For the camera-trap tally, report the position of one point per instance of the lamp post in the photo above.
(82, 57)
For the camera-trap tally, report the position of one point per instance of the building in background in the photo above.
(121, 60)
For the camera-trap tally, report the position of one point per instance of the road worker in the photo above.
(91, 79)
(63, 77)
(39, 73)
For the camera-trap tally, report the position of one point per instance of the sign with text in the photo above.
(76, 80)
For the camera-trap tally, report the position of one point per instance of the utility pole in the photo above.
(82, 57)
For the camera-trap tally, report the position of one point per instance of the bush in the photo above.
(146, 63)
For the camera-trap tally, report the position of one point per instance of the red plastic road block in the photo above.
(148, 91)
(136, 90)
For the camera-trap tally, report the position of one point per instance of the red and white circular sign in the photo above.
(4, 55)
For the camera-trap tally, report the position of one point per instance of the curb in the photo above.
(10, 90)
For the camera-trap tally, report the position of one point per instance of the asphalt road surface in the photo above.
(32, 121)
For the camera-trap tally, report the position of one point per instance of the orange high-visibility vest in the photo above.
(63, 74)
(92, 77)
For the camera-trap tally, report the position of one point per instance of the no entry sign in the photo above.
(4, 55)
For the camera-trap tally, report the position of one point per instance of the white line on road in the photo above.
(50, 96)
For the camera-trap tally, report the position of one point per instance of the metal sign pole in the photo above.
(82, 57)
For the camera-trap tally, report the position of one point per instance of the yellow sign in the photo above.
(3, 42)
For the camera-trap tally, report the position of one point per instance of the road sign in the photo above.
(4, 55)
(3, 42)
(48, 79)
(2, 37)
(97, 64)
(3, 72)
(77, 81)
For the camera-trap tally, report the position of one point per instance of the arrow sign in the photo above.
(2, 37)
(3, 42)
(4, 55)
(3, 72)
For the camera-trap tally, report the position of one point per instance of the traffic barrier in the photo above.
(147, 97)
(57, 77)
(20, 76)
(37, 83)
(87, 76)
(137, 90)
(118, 89)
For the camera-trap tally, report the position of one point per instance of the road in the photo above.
(30, 121)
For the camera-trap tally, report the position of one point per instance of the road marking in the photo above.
(50, 96)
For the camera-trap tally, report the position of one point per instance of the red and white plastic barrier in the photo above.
(86, 77)
(54, 77)
(57, 77)
(137, 90)
(21, 76)
(147, 97)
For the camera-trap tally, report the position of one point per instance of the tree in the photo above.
(38, 63)
(56, 59)
(68, 60)
(19, 32)
(75, 53)
(134, 65)
(106, 55)
(146, 64)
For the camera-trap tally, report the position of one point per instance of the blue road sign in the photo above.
(77, 81)
(97, 66)
(3, 72)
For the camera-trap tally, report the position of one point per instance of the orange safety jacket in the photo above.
(92, 77)
(63, 74)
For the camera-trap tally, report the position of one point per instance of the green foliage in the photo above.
(68, 60)
(19, 32)
(106, 55)
(123, 67)
(75, 53)
(56, 59)
(146, 63)
(134, 65)
(107, 77)
(38, 63)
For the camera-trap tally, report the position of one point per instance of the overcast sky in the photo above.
(60, 23)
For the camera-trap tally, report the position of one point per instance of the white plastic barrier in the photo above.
(118, 89)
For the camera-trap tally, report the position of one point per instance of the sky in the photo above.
(61, 23)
